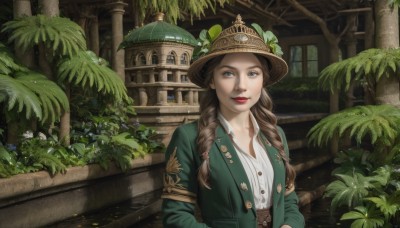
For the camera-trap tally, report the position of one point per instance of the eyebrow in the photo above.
(231, 67)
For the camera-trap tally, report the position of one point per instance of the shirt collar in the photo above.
(228, 128)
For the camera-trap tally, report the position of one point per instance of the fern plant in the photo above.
(368, 180)
(27, 92)
(61, 35)
(381, 123)
(368, 66)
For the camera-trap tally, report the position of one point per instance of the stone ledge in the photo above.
(31, 182)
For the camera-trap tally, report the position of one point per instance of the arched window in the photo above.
(142, 59)
(171, 58)
(154, 58)
(184, 59)
(133, 60)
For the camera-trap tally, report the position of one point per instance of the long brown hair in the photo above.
(262, 112)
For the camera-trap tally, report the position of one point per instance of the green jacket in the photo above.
(229, 203)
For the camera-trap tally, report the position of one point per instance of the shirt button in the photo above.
(259, 173)
(262, 191)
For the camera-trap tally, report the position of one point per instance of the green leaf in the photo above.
(214, 32)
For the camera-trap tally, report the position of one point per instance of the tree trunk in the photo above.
(21, 8)
(65, 121)
(387, 36)
(51, 8)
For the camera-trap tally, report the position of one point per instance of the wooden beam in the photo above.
(355, 10)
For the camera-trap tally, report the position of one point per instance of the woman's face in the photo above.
(238, 81)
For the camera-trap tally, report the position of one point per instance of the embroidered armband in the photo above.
(173, 189)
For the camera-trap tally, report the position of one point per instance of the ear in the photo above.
(212, 85)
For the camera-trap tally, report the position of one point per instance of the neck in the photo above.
(240, 122)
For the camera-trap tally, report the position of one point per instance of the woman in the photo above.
(233, 162)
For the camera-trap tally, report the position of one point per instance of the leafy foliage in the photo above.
(7, 62)
(60, 34)
(27, 91)
(207, 37)
(269, 38)
(85, 69)
(364, 217)
(349, 190)
(369, 66)
(205, 40)
(380, 122)
(174, 8)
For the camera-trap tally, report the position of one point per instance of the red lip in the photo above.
(240, 100)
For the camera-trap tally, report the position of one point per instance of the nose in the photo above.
(241, 82)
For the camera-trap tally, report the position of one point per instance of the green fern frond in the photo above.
(61, 34)
(87, 70)
(20, 97)
(380, 122)
(7, 62)
(369, 63)
(52, 98)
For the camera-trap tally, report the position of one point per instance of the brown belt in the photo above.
(264, 218)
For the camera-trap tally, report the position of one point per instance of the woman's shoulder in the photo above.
(187, 129)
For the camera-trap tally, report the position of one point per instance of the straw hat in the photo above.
(235, 39)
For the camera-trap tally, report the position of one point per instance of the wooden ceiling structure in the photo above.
(269, 13)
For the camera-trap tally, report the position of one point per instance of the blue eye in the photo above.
(253, 73)
(227, 74)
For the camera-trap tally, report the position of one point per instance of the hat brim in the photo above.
(278, 66)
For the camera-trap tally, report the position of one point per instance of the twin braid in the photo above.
(207, 125)
(268, 125)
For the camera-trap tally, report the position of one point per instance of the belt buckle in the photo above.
(264, 223)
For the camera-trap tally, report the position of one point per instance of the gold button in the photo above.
(248, 205)
(228, 155)
(259, 173)
(230, 161)
(264, 223)
(224, 148)
(243, 186)
(262, 191)
(279, 188)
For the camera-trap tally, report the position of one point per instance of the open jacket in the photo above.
(229, 203)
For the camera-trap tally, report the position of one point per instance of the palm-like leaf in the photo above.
(370, 64)
(52, 98)
(86, 69)
(388, 205)
(364, 217)
(19, 97)
(349, 190)
(380, 122)
(7, 63)
(60, 34)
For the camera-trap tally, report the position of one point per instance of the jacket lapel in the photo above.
(232, 161)
(279, 170)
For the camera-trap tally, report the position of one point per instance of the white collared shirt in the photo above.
(258, 169)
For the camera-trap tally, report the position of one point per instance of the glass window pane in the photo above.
(312, 52)
(312, 68)
(295, 53)
(295, 69)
